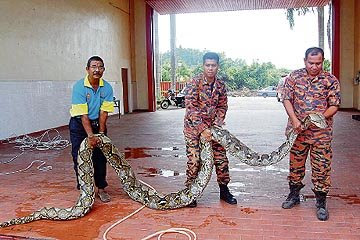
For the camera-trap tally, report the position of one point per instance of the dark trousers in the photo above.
(77, 135)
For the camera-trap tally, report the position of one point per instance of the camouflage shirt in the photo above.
(206, 105)
(309, 95)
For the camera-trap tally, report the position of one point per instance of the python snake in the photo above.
(144, 194)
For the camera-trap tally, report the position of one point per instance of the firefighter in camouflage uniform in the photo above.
(206, 106)
(311, 90)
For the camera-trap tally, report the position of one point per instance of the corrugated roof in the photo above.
(192, 6)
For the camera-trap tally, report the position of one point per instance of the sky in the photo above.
(260, 35)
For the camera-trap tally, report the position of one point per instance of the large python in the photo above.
(141, 192)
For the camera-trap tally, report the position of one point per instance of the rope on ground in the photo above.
(184, 231)
(41, 143)
(41, 167)
(121, 220)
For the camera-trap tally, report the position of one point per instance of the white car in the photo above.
(267, 92)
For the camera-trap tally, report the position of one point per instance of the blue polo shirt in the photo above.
(85, 100)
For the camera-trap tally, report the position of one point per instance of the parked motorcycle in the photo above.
(173, 99)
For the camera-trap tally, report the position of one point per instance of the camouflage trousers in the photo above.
(320, 158)
(221, 162)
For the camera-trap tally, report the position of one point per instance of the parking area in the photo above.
(154, 146)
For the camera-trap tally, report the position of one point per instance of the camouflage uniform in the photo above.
(307, 96)
(206, 105)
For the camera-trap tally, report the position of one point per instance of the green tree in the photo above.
(327, 65)
(320, 12)
(236, 72)
(183, 71)
(166, 71)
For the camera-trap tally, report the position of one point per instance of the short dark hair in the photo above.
(314, 51)
(212, 56)
(94, 58)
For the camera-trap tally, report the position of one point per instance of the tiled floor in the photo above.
(154, 146)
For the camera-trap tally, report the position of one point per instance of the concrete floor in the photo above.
(154, 145)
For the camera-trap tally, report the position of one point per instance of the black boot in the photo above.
(193, 204)
(226, 195)
(294, 196)
(321, 212)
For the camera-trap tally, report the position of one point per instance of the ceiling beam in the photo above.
(193, 6)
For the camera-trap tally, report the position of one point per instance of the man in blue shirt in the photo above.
(92, 100)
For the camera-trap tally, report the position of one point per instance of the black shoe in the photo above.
(321, 211)
(193, 204)
(293, 198)
(322, 214)
(225, 195)
(291, 201)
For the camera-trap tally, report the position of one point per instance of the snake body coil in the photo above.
(144, 194)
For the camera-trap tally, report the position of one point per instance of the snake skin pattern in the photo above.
(141, 192)
(239, 150)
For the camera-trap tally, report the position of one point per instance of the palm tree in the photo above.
(320, 10)
(173, 49)
(157, 55)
